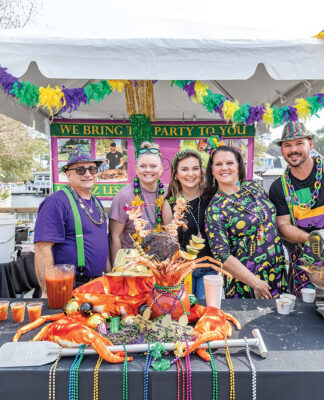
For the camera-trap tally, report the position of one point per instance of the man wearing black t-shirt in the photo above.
(115, 158)
(298, 195)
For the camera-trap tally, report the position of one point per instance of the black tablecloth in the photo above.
(19, 276)
(294, 368)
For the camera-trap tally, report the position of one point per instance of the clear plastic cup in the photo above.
(308, 295)
(59, 284)
(284, 306)
(18, 311)
(4, 306)
(34, 311)
(213, 289)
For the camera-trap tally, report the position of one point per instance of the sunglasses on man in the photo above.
(152, 150)
(82, 170)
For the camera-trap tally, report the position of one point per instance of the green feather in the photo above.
(97, 91)
(26, 92)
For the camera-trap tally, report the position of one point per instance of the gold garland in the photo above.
(139, 98)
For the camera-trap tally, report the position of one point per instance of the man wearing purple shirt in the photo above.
(55, 235)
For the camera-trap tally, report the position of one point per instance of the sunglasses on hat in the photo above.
(152, 150)
(82, 170)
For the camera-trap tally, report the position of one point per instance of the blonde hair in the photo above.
(149, 145)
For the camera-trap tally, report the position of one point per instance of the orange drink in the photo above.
(59, 284)
(34, 311)
(18, 311)
(4, 305)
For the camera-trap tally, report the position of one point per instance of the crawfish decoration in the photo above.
(163, 293)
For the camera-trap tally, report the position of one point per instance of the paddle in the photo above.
(28, 354)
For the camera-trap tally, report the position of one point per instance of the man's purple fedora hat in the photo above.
(79, 153)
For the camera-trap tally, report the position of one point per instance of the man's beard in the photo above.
(298, 162)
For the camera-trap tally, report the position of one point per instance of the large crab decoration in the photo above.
(162, 293)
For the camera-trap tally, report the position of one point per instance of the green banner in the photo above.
(170, 130)
(103, 190)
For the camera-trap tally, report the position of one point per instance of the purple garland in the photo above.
(7, 81)
(255, 114)
(292, 114)
(190, 89)
(73, 98)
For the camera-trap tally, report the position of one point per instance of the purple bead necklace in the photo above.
(189, 375)
(176, 297)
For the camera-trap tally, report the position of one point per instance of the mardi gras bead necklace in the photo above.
(193, 217)
(96, 379)
(169, 291)
(84, 207)
(189, 374)
(52, 376)
(74, 374)
(181, 370)
(125, 375)
(253, 370)
(317, 185)
(139, 200)
(146, 371)
(214, 372)
(231, 368)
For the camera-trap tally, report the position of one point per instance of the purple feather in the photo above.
(190, 89)
(218, 109)
(320, 97)
(73, 98)
(7, 80)
(255, 114)
(292, 113)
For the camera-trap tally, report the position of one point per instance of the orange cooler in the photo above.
(59, 284)
(4, 305)
(18, 311)
(34, 311)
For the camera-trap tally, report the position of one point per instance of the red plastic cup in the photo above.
(34, 311)
(18, 311)
(4, 305)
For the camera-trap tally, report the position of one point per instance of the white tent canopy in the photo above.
(258, 71)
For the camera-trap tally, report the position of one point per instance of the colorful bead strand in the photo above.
(74, 375)
(253, 370)
(189, 374)
(52, 375)
(317, 185)
(146, 371)
(215, 374)
(231, 368)
(96, 379)
(125, 375)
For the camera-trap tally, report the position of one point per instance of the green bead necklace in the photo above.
(158, 208)
(214, 371)
(125, 375)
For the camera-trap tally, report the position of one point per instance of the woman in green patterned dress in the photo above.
(241, 229)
